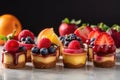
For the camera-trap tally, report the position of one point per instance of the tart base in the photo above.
(106, 64)
(12, 66)
(68, 65)
(28, 56)
(41, 65)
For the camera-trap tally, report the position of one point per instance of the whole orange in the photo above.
(9, 23)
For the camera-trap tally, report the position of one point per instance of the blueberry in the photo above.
(61, 37)
(72, 36)
(22, 39)
(35, 50)
(22, 48)
(66, 43)
(78, 38)
(52, 49)
(92, 43)
(44, 51)
(28, 38)
(92, 39)
(27, 42)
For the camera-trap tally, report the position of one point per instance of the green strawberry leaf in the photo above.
(103, 26)
(116, 27)
(66, 20)
(4, 38)
(78, 22)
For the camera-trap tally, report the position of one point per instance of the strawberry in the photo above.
(115, 34)
(95, 28)
(104, 39)
(44, 43)
(93, 34)
(11, 46)
(75, 44)
(68, 26)
(83, 32)
(25, 33)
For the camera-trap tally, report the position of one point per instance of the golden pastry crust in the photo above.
(68, 65)
(41, 65)
(106, 64)
(28, 55)
(12, 66)
(44, 62)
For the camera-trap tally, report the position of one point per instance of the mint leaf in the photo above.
(4, 38)
(103, 26)
(78, 22)
(116, 27)
(66, 20)
(72, 21)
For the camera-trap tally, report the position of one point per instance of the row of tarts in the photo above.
(46, 51)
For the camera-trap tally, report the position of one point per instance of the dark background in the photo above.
(38, 14)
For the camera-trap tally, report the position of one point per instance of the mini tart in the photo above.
(28, 48)
(104, 61)
(74, 60)
(44, 62)
(13, 60)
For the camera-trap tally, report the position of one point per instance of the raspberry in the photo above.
(11, 46)
(25, 33)
(44, 43)
(74, 44)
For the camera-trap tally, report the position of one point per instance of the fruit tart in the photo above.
(13, 55)
(104, 51)
(74, 55)
(26, 38)
(90, 43)
(44, 54)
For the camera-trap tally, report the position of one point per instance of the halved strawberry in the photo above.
(93, 34)
(83, 32)
(104, 39)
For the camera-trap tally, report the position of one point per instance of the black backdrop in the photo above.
(38, 14)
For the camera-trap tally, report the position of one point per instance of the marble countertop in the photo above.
(89, 72)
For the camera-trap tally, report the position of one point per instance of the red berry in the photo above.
(104, 49)
(11, 46)
(87, 41)
(25, 33)
(44, 43)
(66, 29)
(74, 44)
(104, 39)
(96, 48)
(112, 48)
(83, 32)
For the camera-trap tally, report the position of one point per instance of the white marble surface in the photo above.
(60, 73)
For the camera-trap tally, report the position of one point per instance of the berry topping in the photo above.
(104, 39)
(25, 33)
(44, 51)
(22, 39)
(11, 46)
(22, 48)
(74, 50)
(35, 50)
(104, 45)
(93, 34)
(52, 49)
(74, 44)
(44, 43)
(68, 38)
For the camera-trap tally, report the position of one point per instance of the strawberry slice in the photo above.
(83, 32)
(104, 39)
(93, 34)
